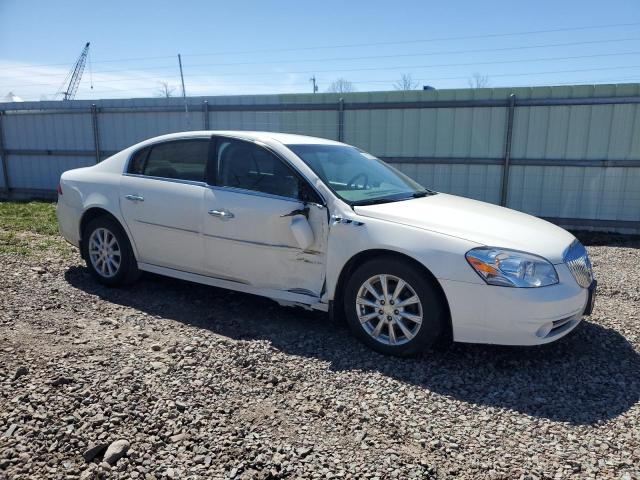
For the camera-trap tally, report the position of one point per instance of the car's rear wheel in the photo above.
(394, 308)
(108, 253)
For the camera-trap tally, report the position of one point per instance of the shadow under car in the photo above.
(589, 376)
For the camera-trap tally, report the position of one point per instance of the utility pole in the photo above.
(184, 94)
(315, 85)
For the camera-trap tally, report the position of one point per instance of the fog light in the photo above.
(544, 330)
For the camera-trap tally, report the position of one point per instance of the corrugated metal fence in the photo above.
(570, 154)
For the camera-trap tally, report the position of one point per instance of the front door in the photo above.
(256, 227)
(161, 199)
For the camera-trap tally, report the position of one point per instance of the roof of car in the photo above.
(284, 138)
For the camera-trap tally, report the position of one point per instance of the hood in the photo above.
(479, 222)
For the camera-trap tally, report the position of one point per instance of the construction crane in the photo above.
(72, 81)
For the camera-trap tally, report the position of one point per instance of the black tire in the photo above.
(127, 271)
(434, 313)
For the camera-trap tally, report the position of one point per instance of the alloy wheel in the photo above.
(389, 309)
(104, 252)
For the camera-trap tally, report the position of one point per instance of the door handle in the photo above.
(222, 214)
(135, 198)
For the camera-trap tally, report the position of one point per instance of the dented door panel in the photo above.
(253, 242)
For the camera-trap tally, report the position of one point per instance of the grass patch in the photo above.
(10, 243)
(35, 217)
(30, 229)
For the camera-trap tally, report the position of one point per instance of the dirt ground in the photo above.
(200, 382)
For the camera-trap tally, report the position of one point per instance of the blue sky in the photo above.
(249, 47)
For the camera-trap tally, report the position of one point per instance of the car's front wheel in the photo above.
(394, 308)
(108, 253)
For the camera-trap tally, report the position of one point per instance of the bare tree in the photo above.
(341, 85)
(165, 90)
(478, 80)
(406, 83)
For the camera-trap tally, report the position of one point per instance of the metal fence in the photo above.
(570, 154)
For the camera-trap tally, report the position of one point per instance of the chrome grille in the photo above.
(577, 259)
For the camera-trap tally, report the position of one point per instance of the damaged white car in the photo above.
(321, 224)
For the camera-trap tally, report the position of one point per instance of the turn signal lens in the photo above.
(482, 267)
(511, 268)
(59, 189)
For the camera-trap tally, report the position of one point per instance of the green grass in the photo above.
(35, 217)
(30, 229)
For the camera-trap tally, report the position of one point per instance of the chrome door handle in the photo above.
(135, 198)
(222, 214)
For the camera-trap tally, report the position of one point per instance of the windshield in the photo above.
(356, 176)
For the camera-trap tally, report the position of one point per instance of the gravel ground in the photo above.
(186, 381)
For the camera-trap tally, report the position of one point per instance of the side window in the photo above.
(136, 164)
(250, 167)
(182, 159)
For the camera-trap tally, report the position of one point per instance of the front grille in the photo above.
(577, 259)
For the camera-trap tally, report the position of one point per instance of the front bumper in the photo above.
(483, 313)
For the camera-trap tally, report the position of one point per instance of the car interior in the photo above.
(242, 165)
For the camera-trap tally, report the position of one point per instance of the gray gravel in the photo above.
(196, 382)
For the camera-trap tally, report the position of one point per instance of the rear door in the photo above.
(161, 198)
(263, 223)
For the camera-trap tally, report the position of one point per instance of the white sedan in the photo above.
(323, 225)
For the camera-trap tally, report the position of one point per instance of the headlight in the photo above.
(510, 268)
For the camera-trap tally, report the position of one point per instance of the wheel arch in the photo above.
(367, 255)
(95, 212)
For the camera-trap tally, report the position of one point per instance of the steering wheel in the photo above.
(365, 177)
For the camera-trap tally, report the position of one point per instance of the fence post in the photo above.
(341, 120)
(3, 156)
(96, 131)
(504, 189)
(205, 114)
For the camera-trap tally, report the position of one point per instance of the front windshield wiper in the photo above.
(375, 201)
(424, 193)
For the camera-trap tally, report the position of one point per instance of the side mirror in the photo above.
(302, 231)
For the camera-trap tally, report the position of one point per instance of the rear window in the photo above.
(136, 165)
(182, 159)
